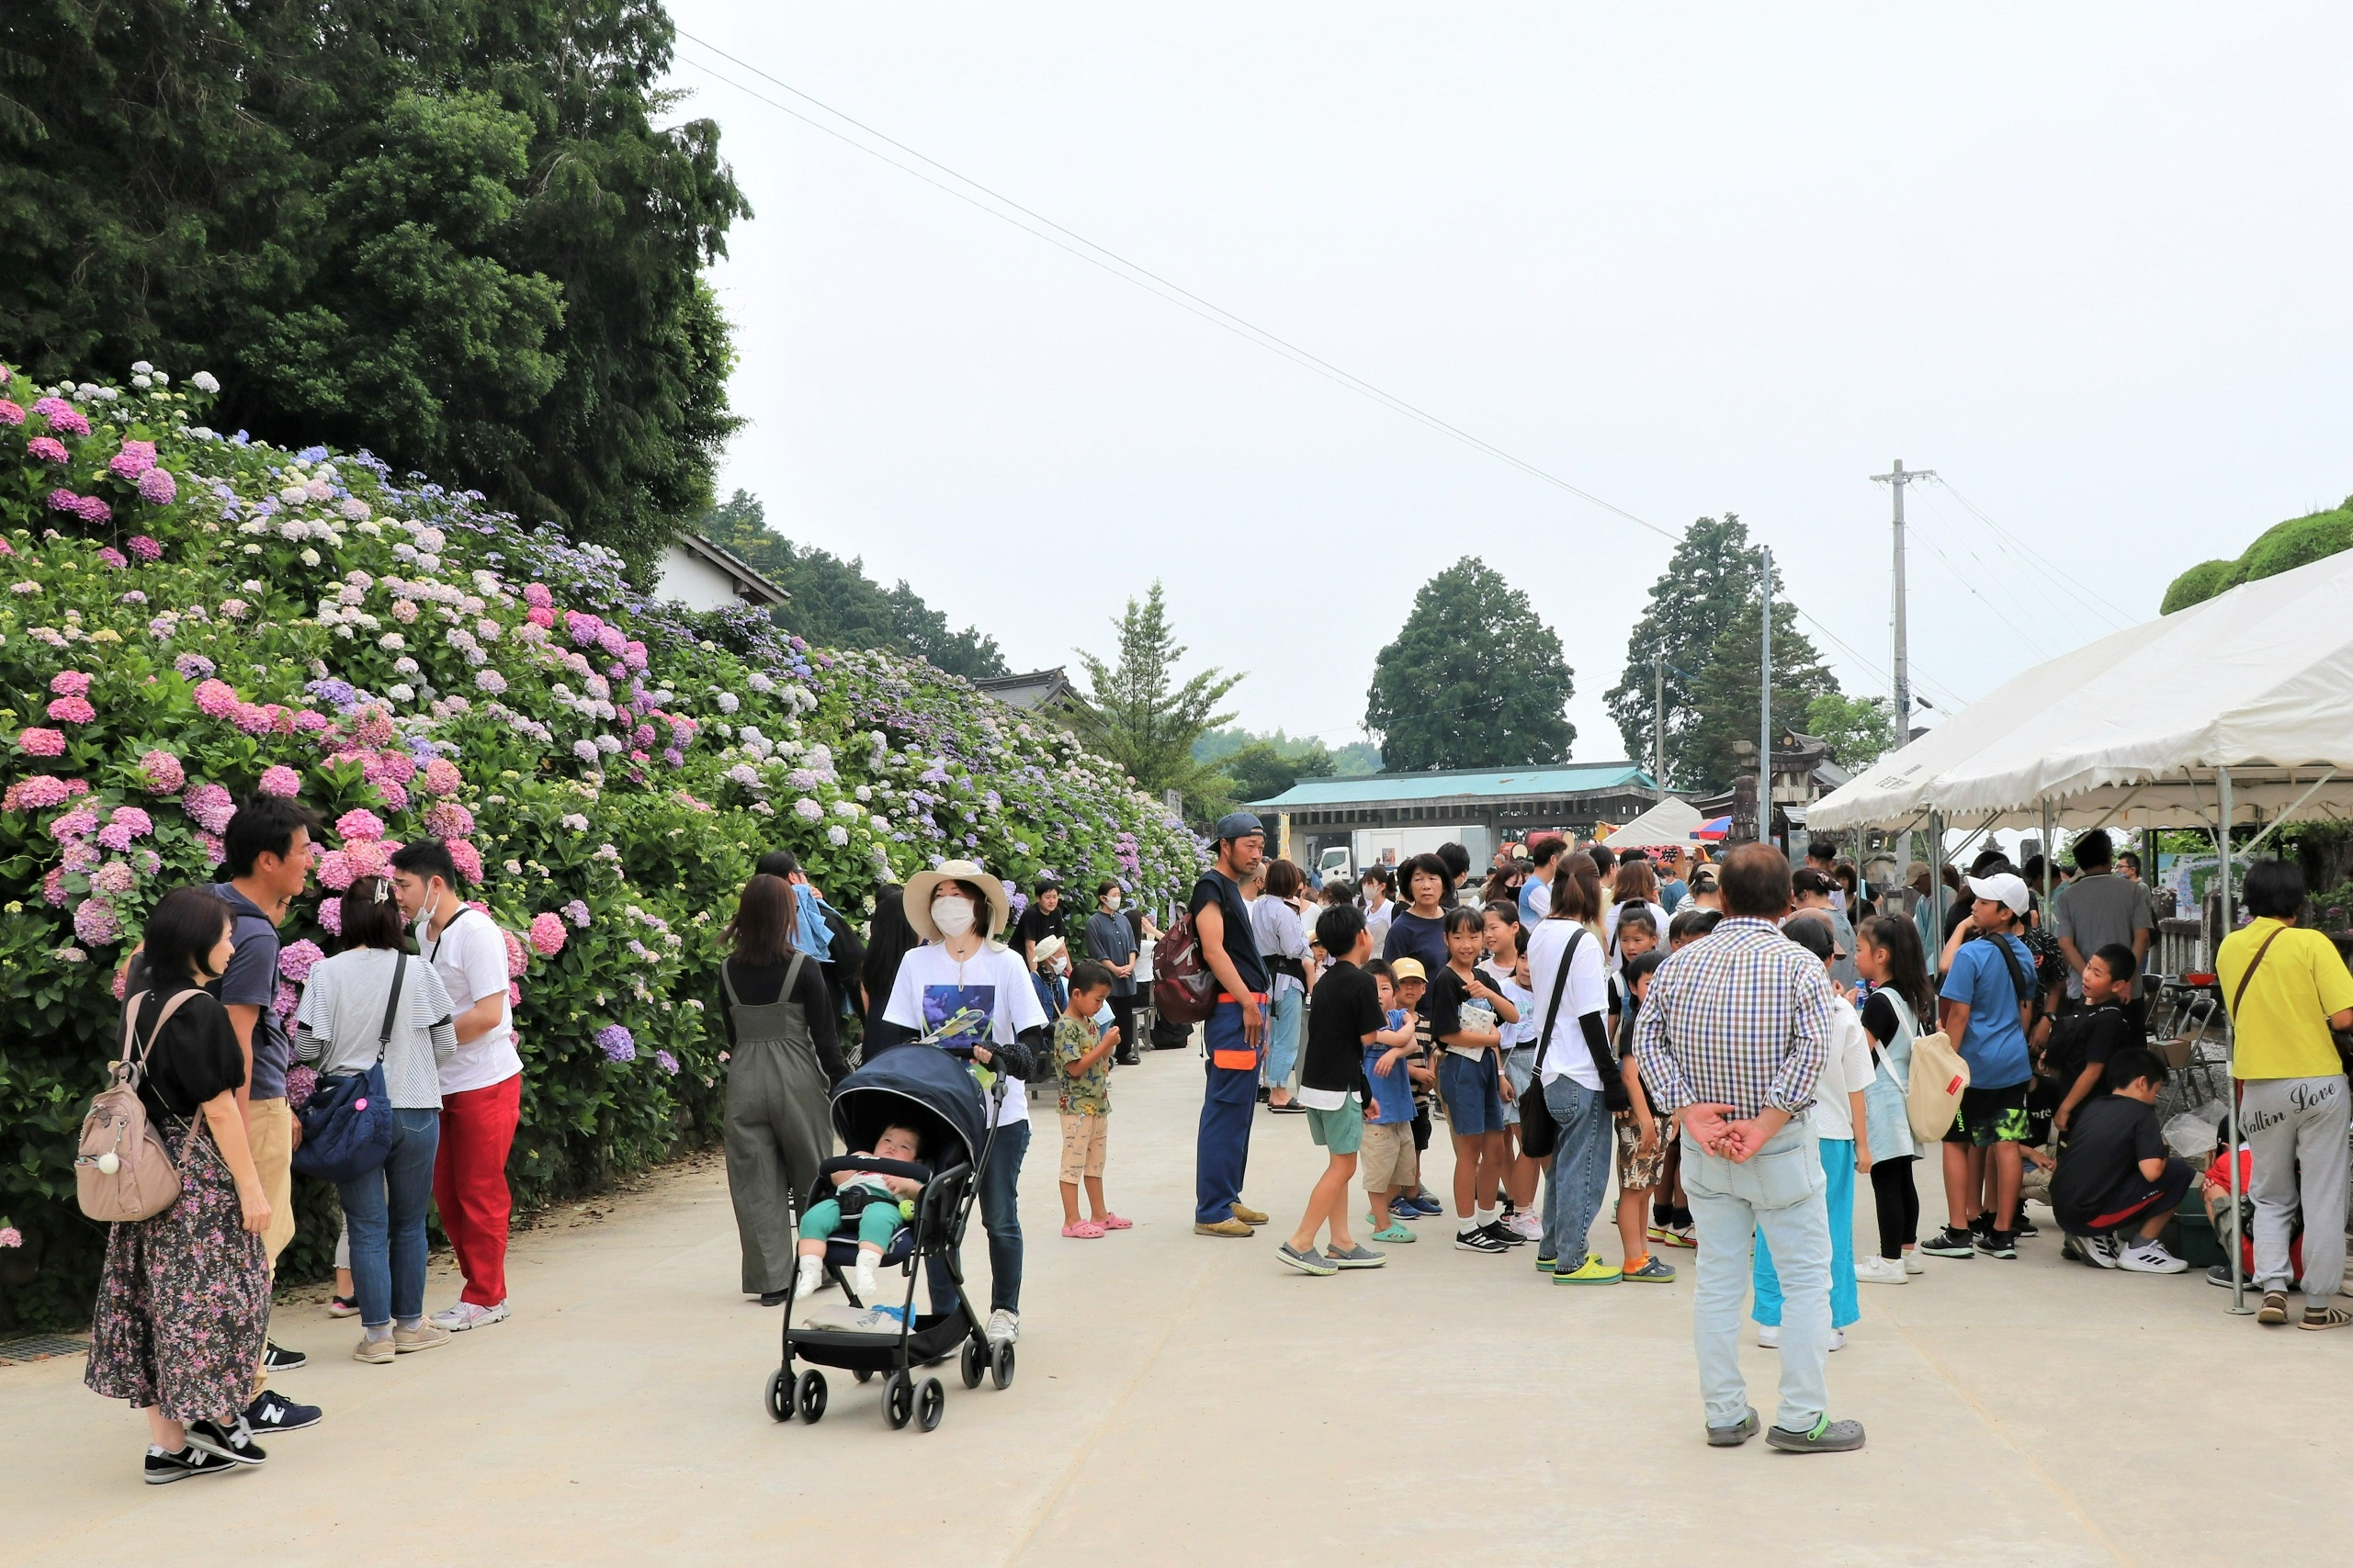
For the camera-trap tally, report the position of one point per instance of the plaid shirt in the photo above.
(1739, 1018)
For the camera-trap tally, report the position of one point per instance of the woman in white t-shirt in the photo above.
(1572, 993)
(961, 987)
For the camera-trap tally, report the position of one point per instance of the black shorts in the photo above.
(2131, 1201)
(1990, 1116)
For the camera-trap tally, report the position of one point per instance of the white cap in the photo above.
(2003, 887)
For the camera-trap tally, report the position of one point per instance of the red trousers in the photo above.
(469, 1183)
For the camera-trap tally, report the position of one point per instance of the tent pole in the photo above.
(2238, 1307)
(2050, 854)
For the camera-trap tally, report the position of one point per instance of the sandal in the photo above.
(1085, 1230)
(2324, 1317)
(1393, 1234)
(1114, 1223)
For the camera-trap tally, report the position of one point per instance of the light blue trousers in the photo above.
(1778, 1193)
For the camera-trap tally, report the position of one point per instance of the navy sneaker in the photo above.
(272, 1412)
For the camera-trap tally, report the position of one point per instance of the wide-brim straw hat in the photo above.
(917, 900)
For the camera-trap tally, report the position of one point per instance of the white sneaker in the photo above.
(466, 1315)
(1526, 1224)
(1837, 1339)
(2149, 1257)
(2103, 1251)
(1004, 1327)
(1769, 1339)
(1880, 1271)
(1912, 1264)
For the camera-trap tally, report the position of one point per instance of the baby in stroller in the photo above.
(866, 1203)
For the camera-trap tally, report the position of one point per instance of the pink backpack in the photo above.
(122, 1171)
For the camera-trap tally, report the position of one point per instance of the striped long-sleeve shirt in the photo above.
(1739, 1018)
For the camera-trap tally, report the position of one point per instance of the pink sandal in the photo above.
(1085, 1230)
(1114, 1223)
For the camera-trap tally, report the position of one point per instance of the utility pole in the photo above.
(1765, 708)
(1895, 481)
(1658, 723)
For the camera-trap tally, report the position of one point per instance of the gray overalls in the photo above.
(779, 1127)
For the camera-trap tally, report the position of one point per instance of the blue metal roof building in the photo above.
(1510, 802)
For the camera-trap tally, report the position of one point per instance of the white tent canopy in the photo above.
(1671, 821)
(2131, 731)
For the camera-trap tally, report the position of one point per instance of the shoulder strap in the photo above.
(727, 981)
(2254, 963)
(2018, 981)
(130, 1027)
(392, 1003)
(178, 999)
(792, 976)
(1552, 1007)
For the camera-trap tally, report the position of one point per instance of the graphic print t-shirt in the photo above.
(986, 998)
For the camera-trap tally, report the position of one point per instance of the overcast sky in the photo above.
(2087, 262)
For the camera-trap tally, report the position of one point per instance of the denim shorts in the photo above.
(1474, 1100)
(1519, 1067)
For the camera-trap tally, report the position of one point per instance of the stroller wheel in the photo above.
(812, 1396)
(862, 1375)
(898, 1400)
(970, 1364)
(780, 1395)
(930, 1403)
(1001, 1366)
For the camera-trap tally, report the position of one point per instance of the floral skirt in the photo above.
(183, 1299)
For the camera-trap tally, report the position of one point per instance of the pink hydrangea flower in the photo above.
(469, 860)
(49, 449)
(330, 915)
(162, 773)
(215, 852)
(69, 683)
(132, 819)
(254, 718)
(447, 819)
(145, 548)
(95, 922)
(63, 415)
(38, 793)
(90, 509)
(114, 877)
(517, 960)
(359, 824)
(538, 596)
(78, 823)
(157, 488)
(71, 710)
(135, 458)
(441, 776)
(540, 615)
(280, 780)
(12, 413)
(397, 766)
(209, 807)
(295, 959)
(395, 797)
(42, 742)
(113, 558)
(337, 873)
(547, 934)
(216, 699)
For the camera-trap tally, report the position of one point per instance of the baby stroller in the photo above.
(931, 1089)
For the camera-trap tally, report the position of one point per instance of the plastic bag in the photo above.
(2190, 1136)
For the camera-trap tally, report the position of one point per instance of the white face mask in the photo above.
(1111, 901)
(953, 916)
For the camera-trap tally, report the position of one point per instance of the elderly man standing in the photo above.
(1731, 1037)
(1236, 1028)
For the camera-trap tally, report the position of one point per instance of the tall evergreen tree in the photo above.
(1729, 688)
(1139, 716)
(450, 233)
(1473, 680)
(1711, 575)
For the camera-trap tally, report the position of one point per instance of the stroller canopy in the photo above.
(916, 1086)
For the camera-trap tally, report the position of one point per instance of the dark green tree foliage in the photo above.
(2284, 546)
(836, 602)
(1711, 575)
(1473, 680)
(1260, 772)
(1704, 757)
(1137, 714)
(448, 232)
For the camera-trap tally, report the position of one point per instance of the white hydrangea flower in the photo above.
(205, 381)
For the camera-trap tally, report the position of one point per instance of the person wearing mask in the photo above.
(370, 1006)
(967, 992)
(1281, 938)
(784, 1056)
(2287, 988)
(1112, 943)
(1379, 888)
(182, 1304)
(267, 852)
(1733, 1036)
(1235, 1030)
(482, 1084)
(1545, 859)
(823, 932)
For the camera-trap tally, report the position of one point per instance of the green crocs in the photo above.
(1395, 1234)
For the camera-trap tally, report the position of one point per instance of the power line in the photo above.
(2058, 576)
(1975, 591)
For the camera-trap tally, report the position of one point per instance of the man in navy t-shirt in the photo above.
(1236, 1028)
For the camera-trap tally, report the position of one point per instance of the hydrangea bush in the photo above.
(188, 617)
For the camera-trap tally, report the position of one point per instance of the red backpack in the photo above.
(1183, 991)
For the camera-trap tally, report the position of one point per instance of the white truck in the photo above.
(1394, 846)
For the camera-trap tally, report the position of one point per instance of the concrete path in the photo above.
(1182, 1399)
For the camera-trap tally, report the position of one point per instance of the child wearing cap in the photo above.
(1388, 1164)
(1417, 1202)
(1987, 990)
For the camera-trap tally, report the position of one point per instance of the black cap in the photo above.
(1239, 825)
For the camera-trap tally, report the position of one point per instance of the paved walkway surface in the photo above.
(1186, 1399)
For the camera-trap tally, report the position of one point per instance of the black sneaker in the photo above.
(1950, 1243)
(1476, 1238)
(2220, 1274)
(162, 1469)
(1981, 1224)
(1998, 1243)
(2025, 1227)
(1505, 1234)
(272, 1412)
(277, 1358)
(230, 1445)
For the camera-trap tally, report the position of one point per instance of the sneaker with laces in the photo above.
(1480, 1238)
(468, 1314)
(276, 1357)
(423, 1337)
(2102, 1251)
(162, 1469)
(233, 1442)
(1505, 1234)
(1880, 1271)
(1997, 1244)
(2025, 1228)
(2149, 1257)
(1526, 1227)
(272, 1412)
(343, 1306)
(1005, 1327)
(374, 1351)
(1592, 1272)
(1950, 1243)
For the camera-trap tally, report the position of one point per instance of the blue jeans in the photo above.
(1222, 1153)
(384, 1210)
(1579, 1174)
(1777, 1191)
(1282, 1038)
(1000, 1216)
(1838, 1201)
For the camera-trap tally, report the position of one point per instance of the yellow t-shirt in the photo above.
(2280, 1028)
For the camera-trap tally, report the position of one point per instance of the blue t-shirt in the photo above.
(1994, 1043)
(1671, 893)
(1417, 936)
(1392, 1090)
(250, 980)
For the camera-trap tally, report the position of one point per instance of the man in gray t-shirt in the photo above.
(2098, 908)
